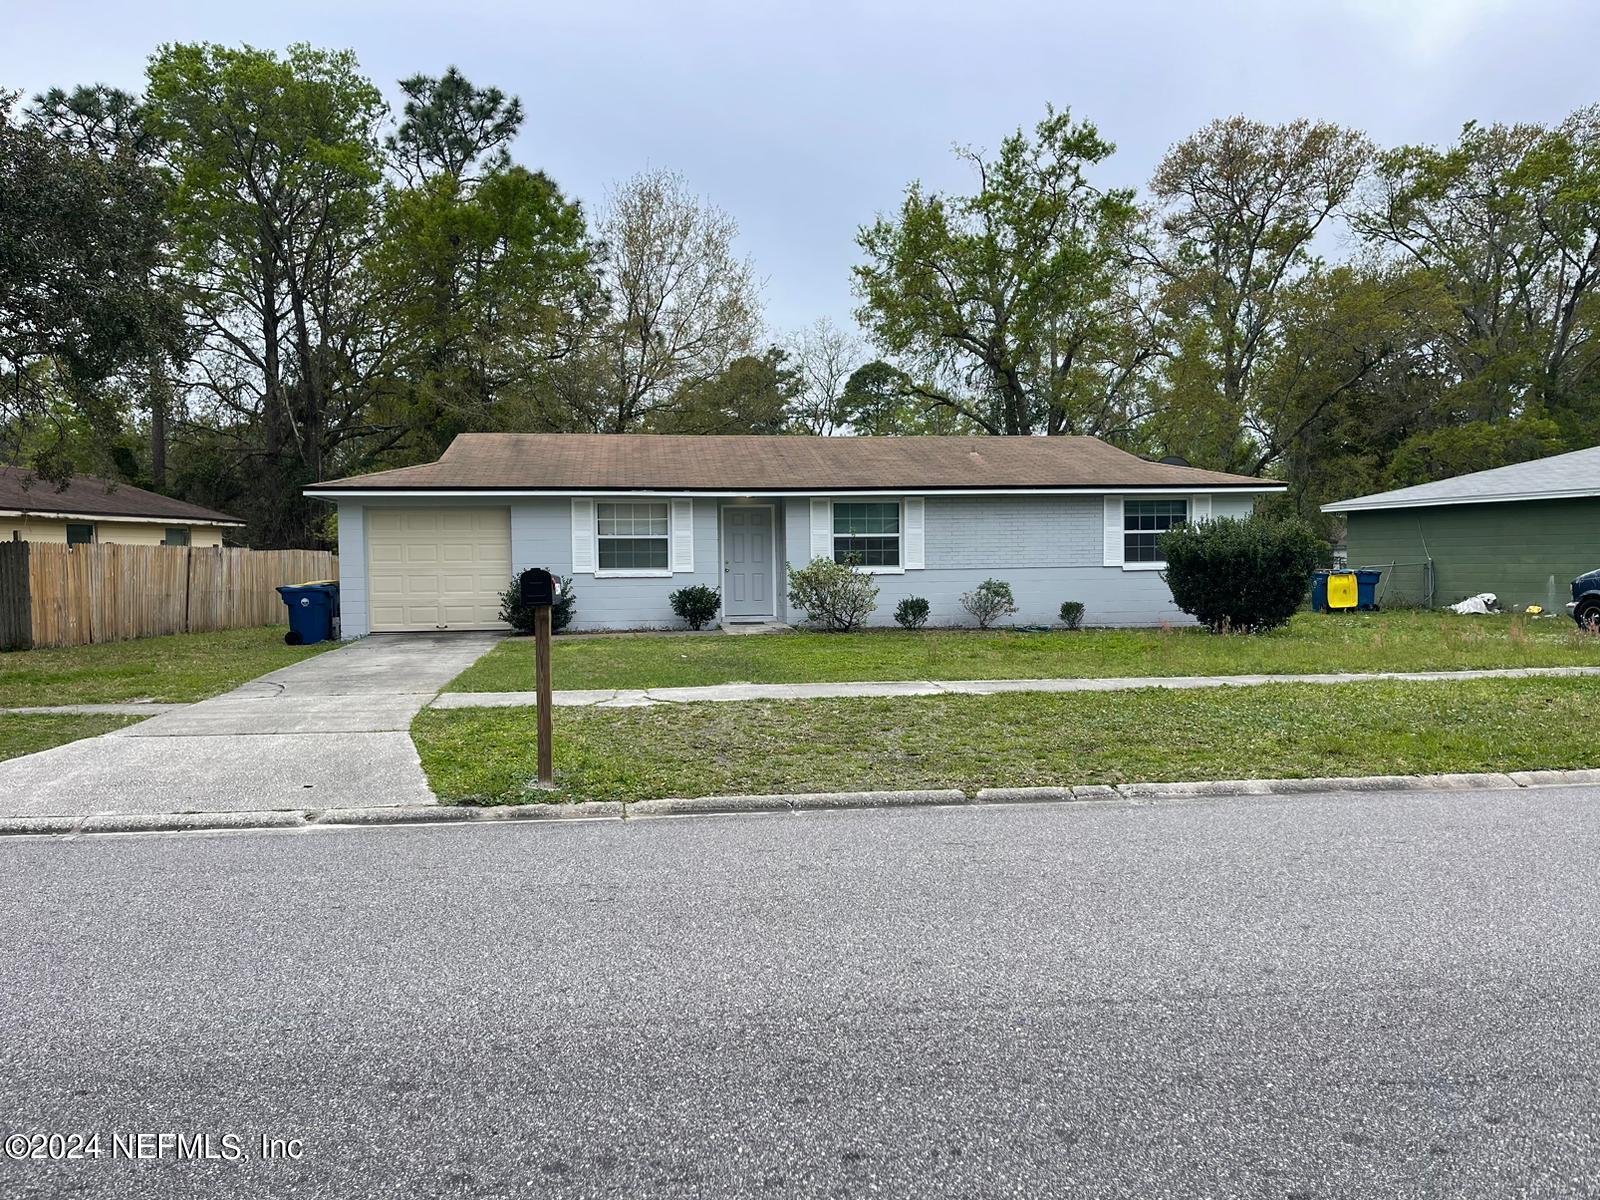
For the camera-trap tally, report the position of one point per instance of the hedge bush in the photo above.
(1241, 576)
(1072, 614)
(989, 601)
(521, 619)
(911, 613)
(697, 605)
(832, 595)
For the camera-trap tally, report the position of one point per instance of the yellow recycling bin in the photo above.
(1343, 591)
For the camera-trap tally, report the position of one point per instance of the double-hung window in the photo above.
(867, 534)
(1143, 523)
(80, 535)
(632, 536)
(177, 535)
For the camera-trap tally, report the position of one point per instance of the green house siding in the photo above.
(1525, 552)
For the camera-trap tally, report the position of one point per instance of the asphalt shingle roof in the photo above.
(1560, 477)
(84, 495)
(664, 462)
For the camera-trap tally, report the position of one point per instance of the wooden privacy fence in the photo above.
(53, 595)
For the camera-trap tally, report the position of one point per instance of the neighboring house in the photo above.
(1523, 532)
(635, 517)
(90, 510)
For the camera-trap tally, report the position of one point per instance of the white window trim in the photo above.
(1159, 564)
(900, 537)
(631, 572)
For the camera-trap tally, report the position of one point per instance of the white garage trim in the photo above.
(436, 568)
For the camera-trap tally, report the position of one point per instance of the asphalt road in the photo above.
(1320, 997)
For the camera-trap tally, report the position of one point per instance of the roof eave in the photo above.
(1378, 503)
(64, 514)
(446, 490)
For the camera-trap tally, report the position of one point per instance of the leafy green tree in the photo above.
(108, 124)
(879, 400)
(683, 306)
(752, 396)
(1008, 306)
(1476, 446)
(275, 161)
(485, 269)
(451, 127)
(1353, 374)
(1236, 211)
(82, 241)
(1508, 221)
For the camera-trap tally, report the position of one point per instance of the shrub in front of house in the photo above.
(911, 613)
(520, 618)
(832, 595)
(1072, 614)
(1241, 576)
(697, 605)
(989, 601)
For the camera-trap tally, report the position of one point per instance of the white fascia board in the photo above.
(748, 493)
(33, 514)
(1377, 504)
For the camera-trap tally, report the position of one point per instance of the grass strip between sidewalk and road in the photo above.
(175, 670)
(28, 733)
(1312, 643)
(1019, 739)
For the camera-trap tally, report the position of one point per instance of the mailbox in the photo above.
(539, 588)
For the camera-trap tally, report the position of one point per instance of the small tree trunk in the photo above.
(158, 427)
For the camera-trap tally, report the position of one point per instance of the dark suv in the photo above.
(1585, 604)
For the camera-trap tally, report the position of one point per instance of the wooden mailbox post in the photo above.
(540, 588)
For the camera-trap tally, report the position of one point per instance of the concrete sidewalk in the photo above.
(331, 731)
(733, 692)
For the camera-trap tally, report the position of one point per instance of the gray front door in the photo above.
(747, 562)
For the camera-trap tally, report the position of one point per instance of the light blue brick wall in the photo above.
(1048, 548)
(541, 536)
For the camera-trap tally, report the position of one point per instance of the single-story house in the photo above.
(90, 510)
(632, 518)
(1523, 532)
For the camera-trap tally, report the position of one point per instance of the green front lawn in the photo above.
(177, 669)
(1274, 730)
(31, 732)
(1397, 641)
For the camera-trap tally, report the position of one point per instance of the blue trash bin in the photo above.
(1367, 589)
(312, 608)
(1319, 591)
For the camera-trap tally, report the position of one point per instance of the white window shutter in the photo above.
(1113, 531)
(683, 535)
(1199, 509)
(583, 537)
(912, 534)
(821, 527)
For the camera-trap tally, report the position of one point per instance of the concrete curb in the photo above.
(1553, 778)
(614, 810)
(182, 822)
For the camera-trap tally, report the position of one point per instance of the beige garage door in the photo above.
(437, 568)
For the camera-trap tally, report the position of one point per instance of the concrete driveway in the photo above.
(329, 732)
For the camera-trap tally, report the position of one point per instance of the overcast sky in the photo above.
(803, 120)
